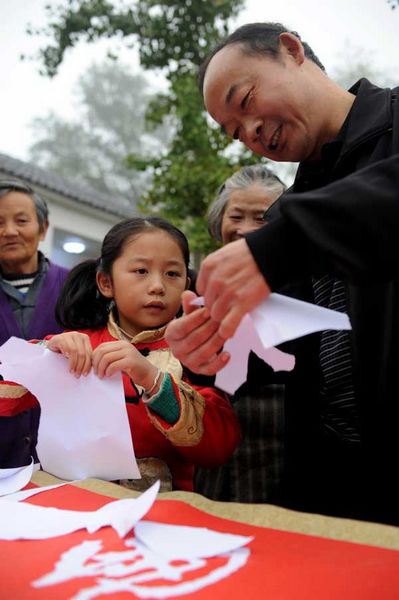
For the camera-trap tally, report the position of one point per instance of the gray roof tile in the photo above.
(80, 194)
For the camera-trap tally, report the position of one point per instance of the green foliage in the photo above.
(170, 33)
(186, 178)
(174, 36)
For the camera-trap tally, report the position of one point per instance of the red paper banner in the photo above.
(280, 566)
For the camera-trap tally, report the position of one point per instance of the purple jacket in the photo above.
(18, 434)
(43, 320)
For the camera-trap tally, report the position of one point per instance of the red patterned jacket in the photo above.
(207, 430)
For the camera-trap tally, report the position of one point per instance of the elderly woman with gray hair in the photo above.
(253, 474)
(241, 202)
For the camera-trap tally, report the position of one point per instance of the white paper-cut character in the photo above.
(131, 569)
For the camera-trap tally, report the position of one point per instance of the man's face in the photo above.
(19, 233)
(263, 102)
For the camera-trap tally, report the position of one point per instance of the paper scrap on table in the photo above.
(12, 480)
(84, 429)
(185, 542)
(24, 494)
(274, 321)
(22, 521)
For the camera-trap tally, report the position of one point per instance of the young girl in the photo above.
(121, 305)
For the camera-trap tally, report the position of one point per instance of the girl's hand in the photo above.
(111, 357)
(76, 347)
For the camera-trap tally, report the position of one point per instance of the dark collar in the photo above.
(371, 113)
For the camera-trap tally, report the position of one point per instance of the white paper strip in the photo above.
(19, 496)
(12, 480)
(183, 542)
(84, 429)
(280, 319)
(22, 521)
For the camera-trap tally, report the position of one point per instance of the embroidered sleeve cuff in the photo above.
(189, 428)
(164, 403)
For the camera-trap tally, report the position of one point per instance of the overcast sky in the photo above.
(327, 25)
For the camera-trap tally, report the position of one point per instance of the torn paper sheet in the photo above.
(12, 480)
(22, 521)
(280, 319)
(277, 320)
(239, 346)
(24, 494)
(185, 542)
(84, 429)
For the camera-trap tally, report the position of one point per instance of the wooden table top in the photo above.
(263, 515)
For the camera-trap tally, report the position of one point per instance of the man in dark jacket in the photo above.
(334, 235)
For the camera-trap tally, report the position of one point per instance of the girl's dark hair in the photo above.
(80, 304)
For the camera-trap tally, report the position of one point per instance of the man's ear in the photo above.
(104, 284)
(292, 45)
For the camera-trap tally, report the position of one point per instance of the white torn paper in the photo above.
(277, 320)
(24, 494)
(178, 542)
(21, 521)
(12, 480)
(239, 346)
(280, 319)
(84, 429)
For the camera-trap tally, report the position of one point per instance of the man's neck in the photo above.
(339, 110)
(20, 268)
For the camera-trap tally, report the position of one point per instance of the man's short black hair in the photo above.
(256, 38)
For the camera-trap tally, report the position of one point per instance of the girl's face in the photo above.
(147, 281)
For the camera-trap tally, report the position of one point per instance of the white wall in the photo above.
(77, 220)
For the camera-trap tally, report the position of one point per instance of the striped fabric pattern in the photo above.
(339, 411)
(21, 283)
(254, 473)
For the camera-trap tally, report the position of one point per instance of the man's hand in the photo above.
(194, 339)
(232, 285)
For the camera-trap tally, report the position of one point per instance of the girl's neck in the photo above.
(128, 332)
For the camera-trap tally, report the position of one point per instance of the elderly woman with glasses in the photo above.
(253, 474)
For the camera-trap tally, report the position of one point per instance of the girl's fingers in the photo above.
(106, 358)
(84, 356)
(80, 355)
